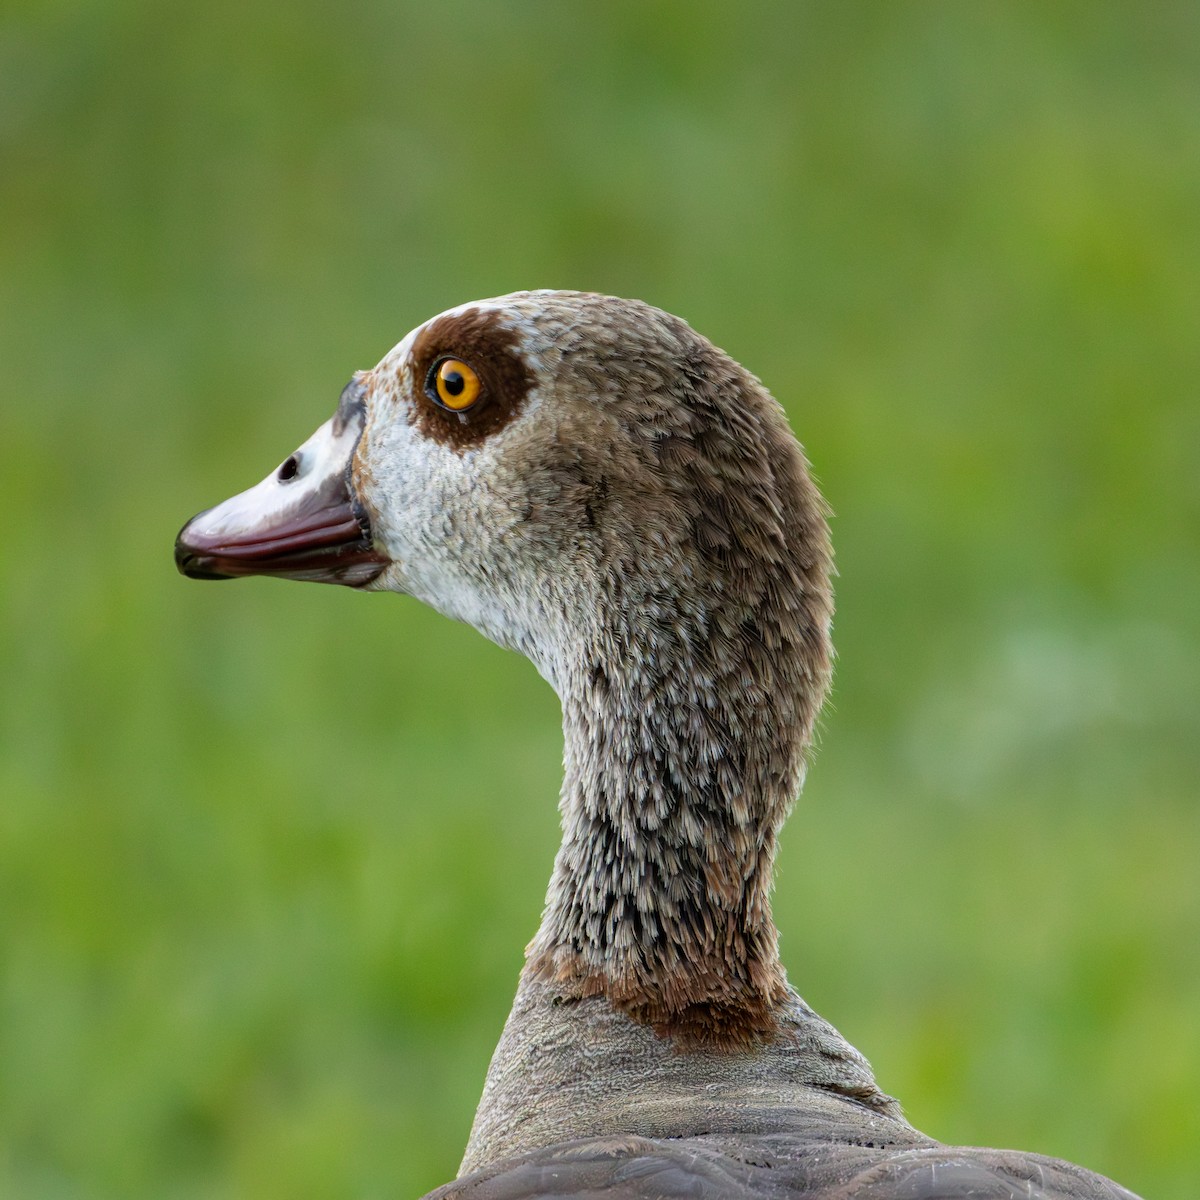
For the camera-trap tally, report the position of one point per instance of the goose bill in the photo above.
(302, 522)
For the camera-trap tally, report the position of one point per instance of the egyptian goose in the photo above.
(590, 482)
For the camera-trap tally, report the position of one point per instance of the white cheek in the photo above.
(439, 524)
(450, 524)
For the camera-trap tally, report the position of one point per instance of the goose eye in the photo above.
(454, 385)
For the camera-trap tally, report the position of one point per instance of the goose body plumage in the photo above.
(588, 481)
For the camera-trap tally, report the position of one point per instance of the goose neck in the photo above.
(680, 766)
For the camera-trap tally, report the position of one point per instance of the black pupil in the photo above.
(453, 382)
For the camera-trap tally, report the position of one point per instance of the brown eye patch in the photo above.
(478, 339)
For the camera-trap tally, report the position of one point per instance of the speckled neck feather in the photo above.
(688, 711)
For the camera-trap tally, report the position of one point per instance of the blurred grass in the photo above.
(269, 855)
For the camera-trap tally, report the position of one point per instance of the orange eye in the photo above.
(455, 385)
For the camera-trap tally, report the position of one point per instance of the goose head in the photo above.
(590, 482)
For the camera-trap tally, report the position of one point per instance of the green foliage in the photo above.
(269, 854)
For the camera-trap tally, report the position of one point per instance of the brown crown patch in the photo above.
(484, 343)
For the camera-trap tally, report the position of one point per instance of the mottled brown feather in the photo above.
(696, 700)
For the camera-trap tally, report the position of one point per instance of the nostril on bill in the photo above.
(289, 470)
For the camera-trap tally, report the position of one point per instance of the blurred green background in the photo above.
(269, 854)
